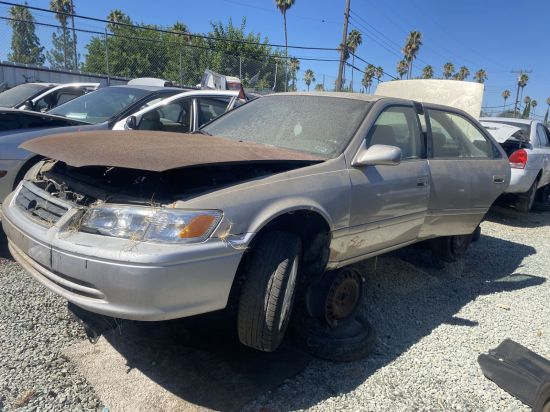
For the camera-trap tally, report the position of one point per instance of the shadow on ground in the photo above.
(409, 295)
(4, 252)
(507, 215)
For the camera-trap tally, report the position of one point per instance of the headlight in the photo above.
(145, 223)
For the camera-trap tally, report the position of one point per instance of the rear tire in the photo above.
(267, 295)
(525, 201)
(451, 248)
(477, 234)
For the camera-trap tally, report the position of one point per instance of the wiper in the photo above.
(201, 132)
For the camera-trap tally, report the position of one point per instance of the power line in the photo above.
(166, 31)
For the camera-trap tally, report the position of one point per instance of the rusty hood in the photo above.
(155, 151)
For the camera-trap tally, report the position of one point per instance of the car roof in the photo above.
(506, 119)
(149, 88)
(343, 95)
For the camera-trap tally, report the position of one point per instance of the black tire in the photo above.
(543, 194)
(525, 201)
(265, 303)
(349, 341)
(451, 248)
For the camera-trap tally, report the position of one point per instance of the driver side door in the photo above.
(389, 203)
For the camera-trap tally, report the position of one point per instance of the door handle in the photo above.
(498, 179)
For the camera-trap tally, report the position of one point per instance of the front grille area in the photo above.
(38, 208)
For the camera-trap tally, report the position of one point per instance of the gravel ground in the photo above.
(432, 320)
(34, 329)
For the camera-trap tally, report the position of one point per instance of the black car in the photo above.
(19, 120)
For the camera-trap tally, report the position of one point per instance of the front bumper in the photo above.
(118, 277)
(521, 180)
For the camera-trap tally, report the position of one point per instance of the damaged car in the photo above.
(261, 212)
(527, 144)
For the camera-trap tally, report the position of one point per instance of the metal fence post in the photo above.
(107, 58)
(240, 68)
(181, 61)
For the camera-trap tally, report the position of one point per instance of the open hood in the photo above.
(502, 132)
(155, 151)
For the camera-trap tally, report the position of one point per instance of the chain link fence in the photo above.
(125, 52)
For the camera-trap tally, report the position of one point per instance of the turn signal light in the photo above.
(518, 159)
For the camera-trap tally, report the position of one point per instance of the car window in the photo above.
(211, 107)
(67, 96)
(322, 125)
(150, 102)
(454, 136)
(18, 94)
(542, 136)
(52, 100)
(9, 121)
(172, 117)
(398, 126)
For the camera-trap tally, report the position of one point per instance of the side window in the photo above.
(454, 136)
(171, 117)
(542, 136)
(9, 121)
(398, 126)
(211, 107)
(67, 96)
(150, 102)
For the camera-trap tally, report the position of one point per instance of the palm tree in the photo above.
(522, 82)
(505, 95)
(309, 77)
(354, 41)
(462, 73)
(378, 73)
(428, 72)
(116, 16)
(294, 68)
(480, 76)
(547, 110)
(411, 48)
(527, 109)
(370, 71)
(283, 6)
(319, 87)
(402, 68)
(448, 70)
(60, 7)
(534, 104)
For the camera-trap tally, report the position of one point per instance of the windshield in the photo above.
(321, 125)
(101, 105)
(19, 94)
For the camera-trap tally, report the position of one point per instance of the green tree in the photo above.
(284, 6)
(534, 104)
(547, 110)
(62, 56)
(411, 49)
(402, 68)
(505, 96)
(309, 77)
(368, 75)
(448, 70)
(527, 109)
(319, 87)
(25, 45)
(480, 76)
(378, 73)
(294, 68)
(428, 72)
(354, 41)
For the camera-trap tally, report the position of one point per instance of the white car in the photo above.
(184, 112)
(527, 144)
(41, 97)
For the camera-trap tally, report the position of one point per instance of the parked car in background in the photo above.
(42, 97)
(255, 212)
(99, 110)
(527, 144)
(184, 112)
(16, 120)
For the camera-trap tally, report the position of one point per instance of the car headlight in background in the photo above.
(151, 224)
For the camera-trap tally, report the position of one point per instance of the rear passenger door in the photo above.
(467, 173)
(389, 203)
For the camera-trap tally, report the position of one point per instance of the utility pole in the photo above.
(343, 48)
(74, 37)
(519, 73)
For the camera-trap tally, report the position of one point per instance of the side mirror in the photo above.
(131, 122)
(378, 154)
(28, 105)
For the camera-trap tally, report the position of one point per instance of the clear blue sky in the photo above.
(498, 36)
